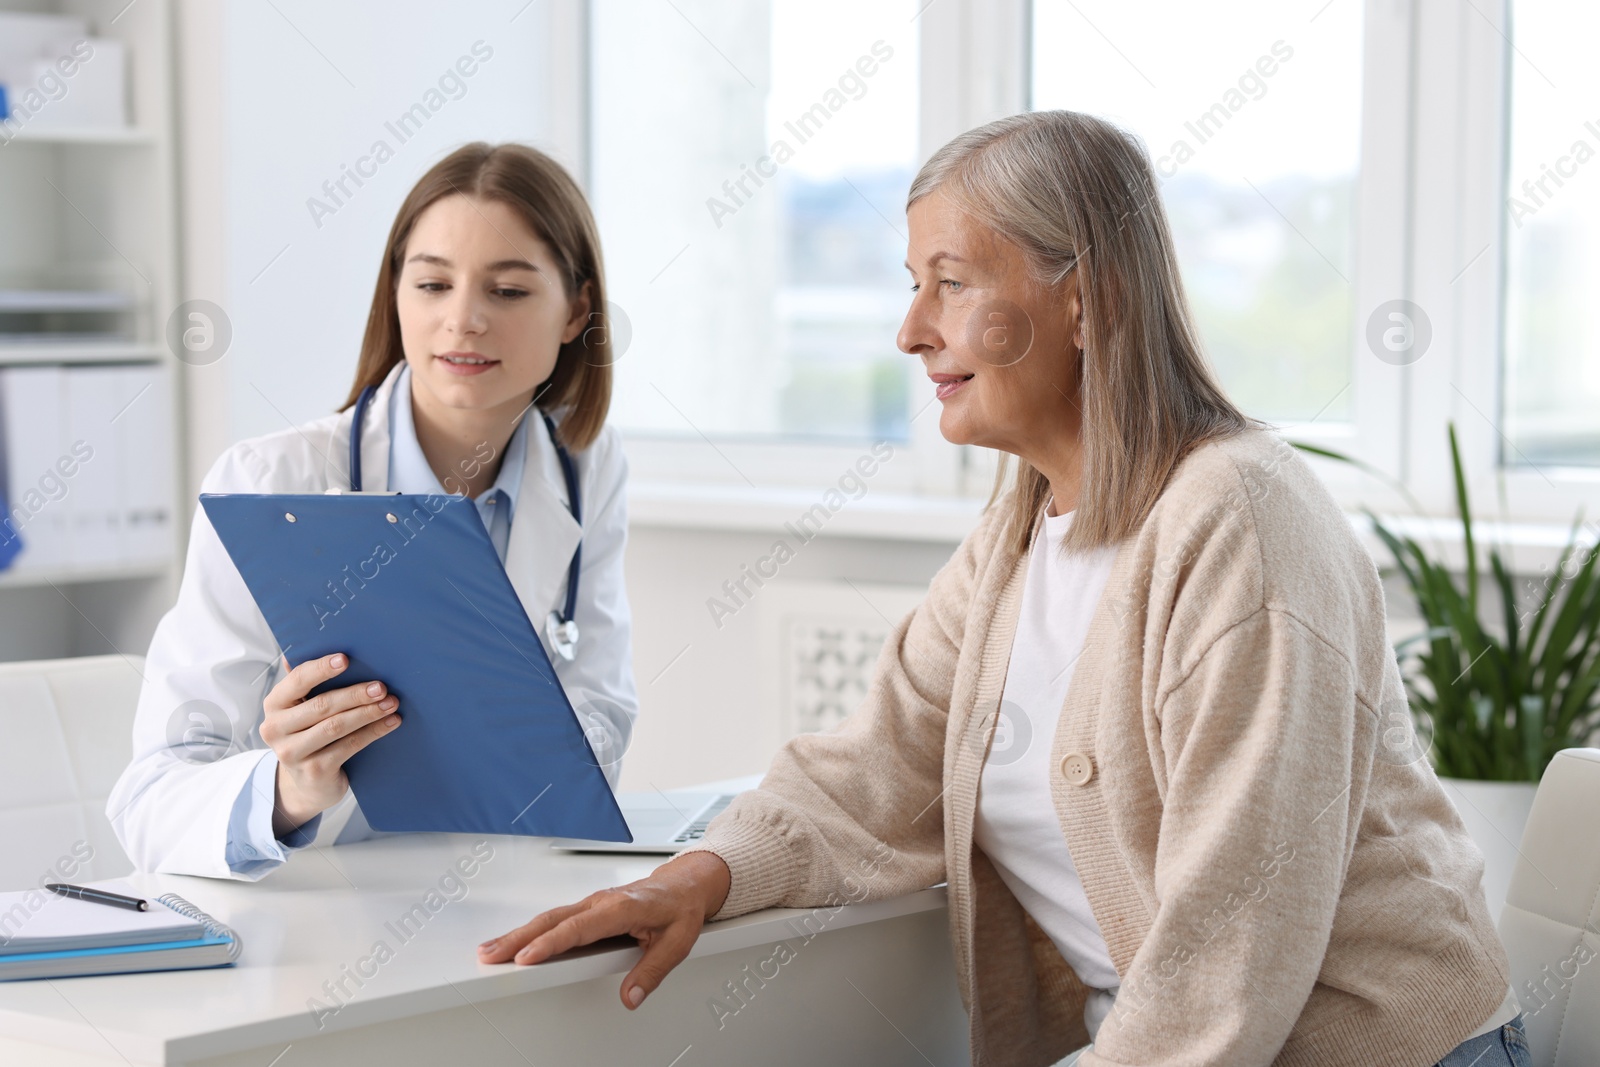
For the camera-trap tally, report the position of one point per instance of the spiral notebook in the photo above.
(43, 935)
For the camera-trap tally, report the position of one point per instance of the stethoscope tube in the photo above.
(561, 627)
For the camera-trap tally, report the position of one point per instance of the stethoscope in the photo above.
(561, 628)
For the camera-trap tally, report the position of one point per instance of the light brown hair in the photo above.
(552, 206)
(1077, 193)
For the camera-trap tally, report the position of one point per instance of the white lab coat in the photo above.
(213, 659)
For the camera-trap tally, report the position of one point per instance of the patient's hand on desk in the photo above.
(313, 738)
(663, 912)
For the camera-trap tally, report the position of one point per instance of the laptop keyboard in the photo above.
(697, 828)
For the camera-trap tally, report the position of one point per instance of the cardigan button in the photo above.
(1077, 768)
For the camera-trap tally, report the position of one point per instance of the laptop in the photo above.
(662, 823)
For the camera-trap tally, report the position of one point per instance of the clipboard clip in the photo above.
(563, 635)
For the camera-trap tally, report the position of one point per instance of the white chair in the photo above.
(1551, 921)
(66, 733)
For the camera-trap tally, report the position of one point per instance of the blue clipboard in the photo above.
(409, 586)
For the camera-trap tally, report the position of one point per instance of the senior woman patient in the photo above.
(1197, 836)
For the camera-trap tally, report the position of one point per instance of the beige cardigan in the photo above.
(1278, 876)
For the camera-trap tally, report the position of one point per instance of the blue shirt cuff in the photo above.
(252, 847)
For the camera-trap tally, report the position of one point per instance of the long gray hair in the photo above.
(1077, 193)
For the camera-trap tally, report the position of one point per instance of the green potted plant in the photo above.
(1496, 685)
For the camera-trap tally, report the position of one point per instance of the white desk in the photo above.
(875, 985)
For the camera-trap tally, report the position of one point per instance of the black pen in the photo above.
(98, 896)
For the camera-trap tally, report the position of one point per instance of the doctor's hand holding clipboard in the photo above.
(485, 371)
(313, 738)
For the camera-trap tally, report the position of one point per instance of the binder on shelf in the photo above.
(93, 500)
(144, 463)
(89, 465)
(98, 99)
(10, 539)
(47, 936)
(34, 416)
(36, 48)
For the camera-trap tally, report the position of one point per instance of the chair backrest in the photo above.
(1551, 921)
(67, 728)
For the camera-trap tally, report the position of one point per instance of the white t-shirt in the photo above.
(1016, 823)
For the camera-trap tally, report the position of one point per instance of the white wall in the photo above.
(277, 99)
(709, 714)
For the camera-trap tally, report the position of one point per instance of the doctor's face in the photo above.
(483, 309)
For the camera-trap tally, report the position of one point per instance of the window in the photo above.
(1253, 121)
(749, 166)
(1322, 162)
(1552, 331)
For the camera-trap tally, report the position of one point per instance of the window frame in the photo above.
(925, 465)
(1469, 51)
(1435, 114)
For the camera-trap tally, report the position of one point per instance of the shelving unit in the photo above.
(130, 136)
(61, 576)
(93, 352)
(97, 206)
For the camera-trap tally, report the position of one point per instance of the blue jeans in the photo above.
(1505, 1047)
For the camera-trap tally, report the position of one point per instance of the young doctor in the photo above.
(485, 370)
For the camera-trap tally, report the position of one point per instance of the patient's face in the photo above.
(1002, 350)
